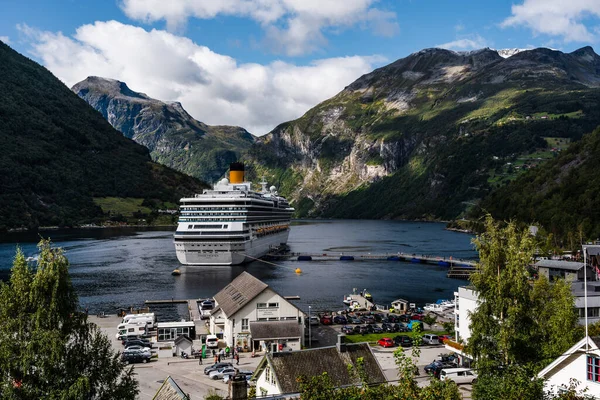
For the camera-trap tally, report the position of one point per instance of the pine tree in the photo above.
(48, 349)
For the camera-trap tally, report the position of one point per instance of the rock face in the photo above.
(427, 135)
(173, 137)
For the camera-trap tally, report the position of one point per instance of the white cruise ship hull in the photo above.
(194, 253)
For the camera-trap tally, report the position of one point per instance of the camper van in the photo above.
(148, 319)
(129, 330)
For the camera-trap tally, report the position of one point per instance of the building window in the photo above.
(268, 374)
(261, 305)
(245, 324)
(593, 369)
(273, 305)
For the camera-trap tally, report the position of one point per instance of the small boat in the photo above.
(347, 300)
(304, 258)
(176, 272)
(346, 258)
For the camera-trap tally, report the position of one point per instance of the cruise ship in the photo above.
(231, 224)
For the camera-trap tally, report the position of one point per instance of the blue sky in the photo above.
(257, 63)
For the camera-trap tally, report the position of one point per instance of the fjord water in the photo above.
(119, 268)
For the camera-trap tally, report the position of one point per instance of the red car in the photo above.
(418, 317)
(326, 320)
(443, 338)
(385, 342)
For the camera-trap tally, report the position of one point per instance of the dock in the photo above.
(172, 301)
(406, 257)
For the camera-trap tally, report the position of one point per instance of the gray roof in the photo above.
(182, 338)
(238, 293)
(265, 330)
(169, 390)
(559, 264)
(592, 249)
(289, 365)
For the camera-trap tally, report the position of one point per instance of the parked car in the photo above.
(418, 317)
(137, 342)
(431, 339)
(326, 320)
(403, 341)
(434, 368)
(218, 373)
(401, 327)
(387, 327)
(385, 342)
(314, 320)
(137, 347)
(444, 338)
(348, 330)
(246, 374)
(404, 317)
(364, 329)
(340, 319)
(215, 366)
(135, 357)
(459, 375)
(368, 319)
(354, 320)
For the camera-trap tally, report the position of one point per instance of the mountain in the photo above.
(59, 155)
(562, 197)
(505, 53)
(174, 138)
(430, 134)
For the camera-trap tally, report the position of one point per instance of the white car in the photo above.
(247, 374)
(459, 375)
(138, 348)
(218, 374)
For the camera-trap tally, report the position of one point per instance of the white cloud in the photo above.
(213, 87)
(5, 39)
(471, 42)
(292, 27)
(556, 18)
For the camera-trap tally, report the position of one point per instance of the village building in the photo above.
(568, 270)
(581, 362)
(247, 300)
(400, 305)
(277, 373)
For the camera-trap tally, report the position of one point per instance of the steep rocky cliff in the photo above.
(430, 134)
(173, 137)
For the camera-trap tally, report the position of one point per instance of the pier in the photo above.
(414, 258)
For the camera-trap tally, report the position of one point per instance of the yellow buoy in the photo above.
(298, 271)
(176, 272)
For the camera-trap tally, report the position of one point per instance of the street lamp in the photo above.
(309, 324)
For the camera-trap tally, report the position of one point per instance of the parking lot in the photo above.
(189, 375)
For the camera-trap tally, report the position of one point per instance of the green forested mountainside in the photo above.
(562, 196)
(58, 153)
(432, 133)
(174, 138)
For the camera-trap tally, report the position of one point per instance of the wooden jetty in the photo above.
(460, 272)
(172, 301)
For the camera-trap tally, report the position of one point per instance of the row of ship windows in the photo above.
(191, 214)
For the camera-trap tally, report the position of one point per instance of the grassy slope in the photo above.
(562, 195)
(58, 153)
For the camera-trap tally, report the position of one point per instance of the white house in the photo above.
(246, 300)
(277, 373)
(581, 362)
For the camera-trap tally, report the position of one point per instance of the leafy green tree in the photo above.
(48, 349)
(430, 319)
(519, 325)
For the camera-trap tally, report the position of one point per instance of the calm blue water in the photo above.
(114, 269)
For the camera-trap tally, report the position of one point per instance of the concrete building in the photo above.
(568, 270)
(277, 373)
(400, 305)
(247, 300)
(580, 362)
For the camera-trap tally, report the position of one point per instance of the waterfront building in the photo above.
(246, 301)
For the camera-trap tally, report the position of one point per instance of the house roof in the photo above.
(399, 301)
(238, 293)
(169, 390)
(559, 264)
(264, 330)
(183, 338)
(593, 344)
(289, 365)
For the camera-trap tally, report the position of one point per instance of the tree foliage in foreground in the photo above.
(520, 325)
(48, 349)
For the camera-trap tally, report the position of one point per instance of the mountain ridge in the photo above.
(172, 135)
(437, 123)
(59, 155)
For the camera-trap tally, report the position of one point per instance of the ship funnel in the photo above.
(236, 172)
